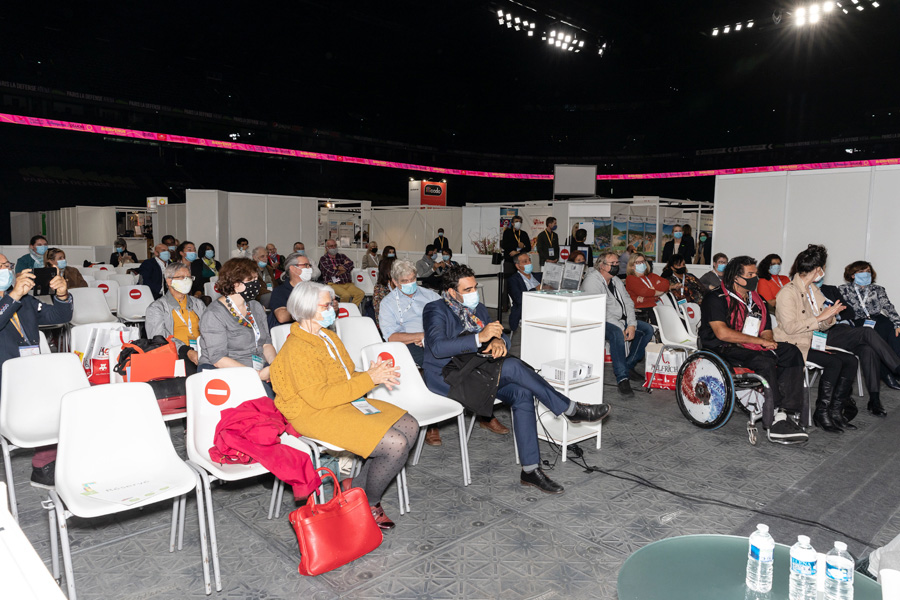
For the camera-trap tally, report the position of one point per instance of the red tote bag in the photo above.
(334, 533)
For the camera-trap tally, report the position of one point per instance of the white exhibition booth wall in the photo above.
(853, 212)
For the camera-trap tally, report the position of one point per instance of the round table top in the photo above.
(713, 567)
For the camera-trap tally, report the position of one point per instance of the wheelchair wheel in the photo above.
(704, 390)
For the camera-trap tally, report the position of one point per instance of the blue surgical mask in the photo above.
(172, 248)
(191, 256)
(210, 253)
(775, 269)
(409, 288)
(862, 279)
(678, 235)
(819, 283)
(61, 263)
(40, 249)
(446, 257)
(6, 279)
(553, 228)
(721, 267)
(301, 252)
(261, 264)
(118, 250)
(391, 255)
(640, 268)
(328, 317)
(528, 269)
(470, 300)
(440, 234)
(164, 256)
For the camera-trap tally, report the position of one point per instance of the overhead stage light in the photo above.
(501, 21)
(738, 27)
(827, 7)
(558, 43)
(499, 13)
(553, 33)
(715, 31)
(530, 33)
(568, 38)
(532, 25)
(581, 43)
(517, 20)
(726, 29)
(750, 24)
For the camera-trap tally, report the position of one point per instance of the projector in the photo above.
(555, 370)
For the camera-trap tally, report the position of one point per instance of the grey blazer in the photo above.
(160, 320)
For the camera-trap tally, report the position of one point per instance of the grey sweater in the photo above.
(224, 336)
(160, 320)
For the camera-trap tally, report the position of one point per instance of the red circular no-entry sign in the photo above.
(343, 312)
(373, 273)
(217, 392)
(135, 294)
(564, 254)
(103, 287)
(387, 357)
(690, 312)
(359, 277)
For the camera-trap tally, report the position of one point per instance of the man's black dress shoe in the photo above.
(637, 377)
(625, 388)
(891, 381)
(589, 412)
(539, 479)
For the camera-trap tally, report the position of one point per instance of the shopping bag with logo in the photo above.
(335, 533)
(101, 344)
(666, 368)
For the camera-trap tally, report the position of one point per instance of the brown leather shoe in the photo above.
(433, 437)
(381, 519)
(494, 426)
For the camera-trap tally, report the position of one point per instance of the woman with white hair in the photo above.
(316, 384)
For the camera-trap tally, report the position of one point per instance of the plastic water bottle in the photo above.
(803, 570)
(759, 560)
(839, 573)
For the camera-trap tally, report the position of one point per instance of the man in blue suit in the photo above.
(152, 271)
(523, 280)
(458, 324)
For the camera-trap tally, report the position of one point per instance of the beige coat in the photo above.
(795, 316)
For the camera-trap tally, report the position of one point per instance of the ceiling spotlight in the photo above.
(501, 21)
(564, 46)
(517, 27)
(750, 24)
(846, 12)
(738, 27)
(508, 24)
(581, 43)
(604, 45)
(571, 48)
(726, 29)
(859, 7)
(518, 20)
(601, 51)
(715, 32)
(827, 7)
(508, 17)
(532, 25)
(499, 13)
(814, 9)
(553, 33)
(814, 18)
(576, 50)
(558, 43)
(875, 4)
(544, 38)
(524, 23)
(568, 38)
(530, 33)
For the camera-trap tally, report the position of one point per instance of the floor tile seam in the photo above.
(78, 551)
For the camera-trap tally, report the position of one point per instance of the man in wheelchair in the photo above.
(736, 325)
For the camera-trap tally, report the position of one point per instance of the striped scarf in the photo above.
(467, 317)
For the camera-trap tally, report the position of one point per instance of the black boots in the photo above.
(875, 406)
(841, 401)
(823, 417)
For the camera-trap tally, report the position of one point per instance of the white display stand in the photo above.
(570, 327)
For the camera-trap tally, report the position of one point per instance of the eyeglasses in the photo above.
(6, 265)
(191, 277)
(324, 306)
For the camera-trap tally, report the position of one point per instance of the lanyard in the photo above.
(863, 299)
(335, 355)
(812, 302)
(18, 326)
(401, 311)
(646, 281)
(516, 233)
(777, 279)
(615, 293)
(750, 304)
(187, 323)
(549, 239)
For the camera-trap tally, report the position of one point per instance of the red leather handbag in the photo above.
(334, 533)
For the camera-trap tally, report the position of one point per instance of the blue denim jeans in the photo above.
(621, 363)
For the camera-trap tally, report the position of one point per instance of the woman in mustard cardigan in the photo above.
(315, 384)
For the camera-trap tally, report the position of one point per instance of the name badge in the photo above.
(335, 280)
(751, 326)
(364, 407)
(195, 345)
(29, 350)
(682, 301)
(869, 323)
(551, 252)
(819, 340)
(258, 362)
(269, 286)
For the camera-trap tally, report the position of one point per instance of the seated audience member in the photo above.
(400, 313)
(621, 324)
(680, 244)
(235, 330)
(171, 243)
(383, 283)
(577, 258)
(870, 307)
(275, 260)
(430, 267)
(300, 248)
(389, 252)
(297, 269)
(703, 249)
(371, 258)
(242, 249)
(802, 313)
(447, 258)
(523, 280)
(771, 281)
(713, 279)
(580, 246)
(458, 327)
(315, 383)
(152, 271)
(644, 286)
(625, 256)
(441, 243)
(204, 269)
(185, 253)
(121, 256)
(264, 271)
(337, 271)
(178, 314)
(35, 257)
(683, 285)
(547, 243)
(20, 316)
(54, 257)
(736, 325)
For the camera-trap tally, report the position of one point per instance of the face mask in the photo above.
(61, 263)
(327, 317)
(720, 268)
(640, 268)
(440, 234)
(862, 279)
(191, 256)
(750, 284)
(374, 250)
(517, 225)
(301, 252)
(261, 264)
(251, 290)
(470, 300)
(678, 235)
(614, 270)
(819, 283)
(680, 270)
(306, 274)
(391, 255)
(553, 228)
(409, 288)
(446, 257)
(164, 256)
(118, 250)
(172, 248)
(775, 269)
(528, 269)
(332, 251)
(702, 238)
(42, 249)
(182, 286)
(210, 254)
(6, 279)
(821, 277)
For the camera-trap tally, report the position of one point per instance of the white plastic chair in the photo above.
(85, 271)
(414, 397)
(209, 289)
(44, 345)
(691, 313)
(103, 267)
(280, 335)
(89, 306)
(124, 279)
(135, 447)
(133, 303)
(110, 289)
(347, 309)
(88, 278)
(30, 394)
(363, 281)
(240, 384)
(103, 274)
(373, 273)
(356, 333)
(673, 335)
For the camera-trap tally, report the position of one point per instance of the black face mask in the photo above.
(251, 290)
(750, 284)
(613, 270)
(680, 270)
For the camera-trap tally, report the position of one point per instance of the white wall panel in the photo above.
(882, 230)
(202, 216)
(283, 222)
(246, 218)
(749, 215)
(20, 228)
(95, 225)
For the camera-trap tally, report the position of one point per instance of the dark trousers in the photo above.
(873, 352)
(417, 352)
(885, 329)
(834, 365)
(782, 368)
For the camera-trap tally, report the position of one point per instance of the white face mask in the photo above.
(517, 225)
(306, 274)
(182, 286)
